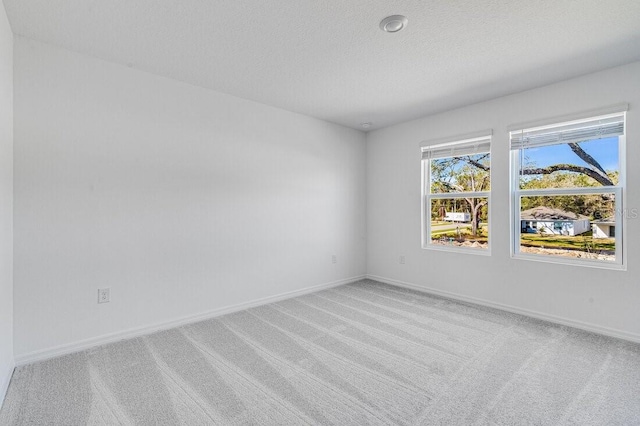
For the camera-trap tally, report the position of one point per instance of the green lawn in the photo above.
(579, 242)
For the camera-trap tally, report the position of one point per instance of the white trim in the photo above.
(621, 203)
(446, 195)
(424, 235)
(582, 190)
(68, 348)
(516, 193)
(593, 113)
(562, 260)
(460, 139)
(425, 209)
(5, 379)
(582, 325)
(456, 249)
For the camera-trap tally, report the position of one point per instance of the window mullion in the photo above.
(567, 191)
(445, 195)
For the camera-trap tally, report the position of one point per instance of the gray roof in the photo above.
(547, 213)
(610, 219)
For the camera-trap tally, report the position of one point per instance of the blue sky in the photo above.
(605, 151)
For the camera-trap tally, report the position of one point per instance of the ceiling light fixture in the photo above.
(394, 23)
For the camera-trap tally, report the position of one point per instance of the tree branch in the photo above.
(451, 186)
(603, 180)
(477, 164)
(577, 149)
(478, 205)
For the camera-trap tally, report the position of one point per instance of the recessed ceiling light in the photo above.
(366, 125)
(394, 23)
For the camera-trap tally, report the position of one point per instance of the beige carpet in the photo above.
(365, 353)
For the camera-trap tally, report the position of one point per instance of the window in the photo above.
(456, 194)
(567, 191)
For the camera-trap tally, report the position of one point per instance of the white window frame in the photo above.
(454, 143)
(619, 190)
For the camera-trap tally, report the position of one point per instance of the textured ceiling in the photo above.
(330, 60)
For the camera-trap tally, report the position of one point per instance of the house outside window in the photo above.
(456, 187)
(567, 188)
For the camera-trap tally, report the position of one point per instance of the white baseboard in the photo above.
(594, 328)
(81, 345)
(5, 378)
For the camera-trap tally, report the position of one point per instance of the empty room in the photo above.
(235, 212)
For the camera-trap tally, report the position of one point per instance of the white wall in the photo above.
(180, 199)
(6, 203)
(600, 299)
(601, 230)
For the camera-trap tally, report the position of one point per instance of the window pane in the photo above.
(572, 226)
(460, 222)
(570, 165)
(468, 173)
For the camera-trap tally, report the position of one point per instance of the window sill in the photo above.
(453, 249)
(600, 264)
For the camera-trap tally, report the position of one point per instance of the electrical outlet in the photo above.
(103, 295)
(334, 259)
(402, 259)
